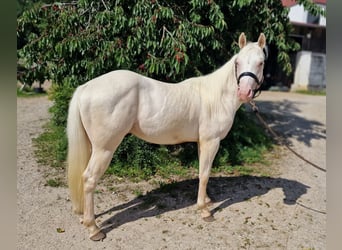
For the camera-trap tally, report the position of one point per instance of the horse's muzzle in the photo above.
(245, 94)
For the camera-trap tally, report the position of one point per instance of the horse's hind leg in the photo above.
(97, 165)
(207, 152)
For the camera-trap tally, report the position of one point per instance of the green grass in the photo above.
(137, 192)
(27, 92)
(55, 182)
(50, 146)
(169, 170)
(253, 155)
(235, 170)
(312, 92)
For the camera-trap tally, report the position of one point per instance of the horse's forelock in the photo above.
(250, 48)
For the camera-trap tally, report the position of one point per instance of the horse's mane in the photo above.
(223, 81)
(214, 88)
(216, 84)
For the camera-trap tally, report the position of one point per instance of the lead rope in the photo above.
(281, 140)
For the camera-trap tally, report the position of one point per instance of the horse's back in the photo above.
(111, 82)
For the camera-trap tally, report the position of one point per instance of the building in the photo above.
(309, 64)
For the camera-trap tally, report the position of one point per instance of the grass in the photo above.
(28, 92)
(234, 170)
(55, 182)
(51, 146)
(137, 192)
(312, 92)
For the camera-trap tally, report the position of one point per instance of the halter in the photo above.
(256, 92)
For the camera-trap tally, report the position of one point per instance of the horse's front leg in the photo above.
(207, 151)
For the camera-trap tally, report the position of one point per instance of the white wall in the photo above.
(323, 21)
(298, 14)
(310, 72)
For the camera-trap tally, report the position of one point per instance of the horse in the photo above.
(199, 109)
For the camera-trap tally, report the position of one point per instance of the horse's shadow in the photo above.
(178, 195)
(284, 119)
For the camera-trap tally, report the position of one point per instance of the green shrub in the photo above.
(135, 158)
(71, 43)
(61, 96)
(245, 143)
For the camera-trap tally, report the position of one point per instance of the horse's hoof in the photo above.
(99, 236)
(209, 218)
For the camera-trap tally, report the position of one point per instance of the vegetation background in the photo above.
(71, 42)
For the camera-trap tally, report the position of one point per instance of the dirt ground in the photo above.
(282, 211)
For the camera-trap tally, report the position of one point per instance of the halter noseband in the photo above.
(257, 91)
(247, 73)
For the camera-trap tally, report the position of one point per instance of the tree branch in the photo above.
(60, 4)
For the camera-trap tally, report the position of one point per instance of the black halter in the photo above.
(247, 73)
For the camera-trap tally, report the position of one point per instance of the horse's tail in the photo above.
(78, 153)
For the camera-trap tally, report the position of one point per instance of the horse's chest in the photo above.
(217, 126)
(224, 126)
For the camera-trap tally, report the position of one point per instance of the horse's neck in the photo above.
(222, 84)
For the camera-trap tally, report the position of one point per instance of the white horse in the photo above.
(200, 109)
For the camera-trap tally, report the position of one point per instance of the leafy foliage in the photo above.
(75, 41)
(168, 40)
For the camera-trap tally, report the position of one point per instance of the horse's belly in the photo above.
(166, 136)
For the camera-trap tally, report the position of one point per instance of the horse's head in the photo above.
(249, 66)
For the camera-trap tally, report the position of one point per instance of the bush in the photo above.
(73, 42)
(61, 96)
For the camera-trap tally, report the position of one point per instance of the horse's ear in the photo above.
(262, 40)
(242, 40)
